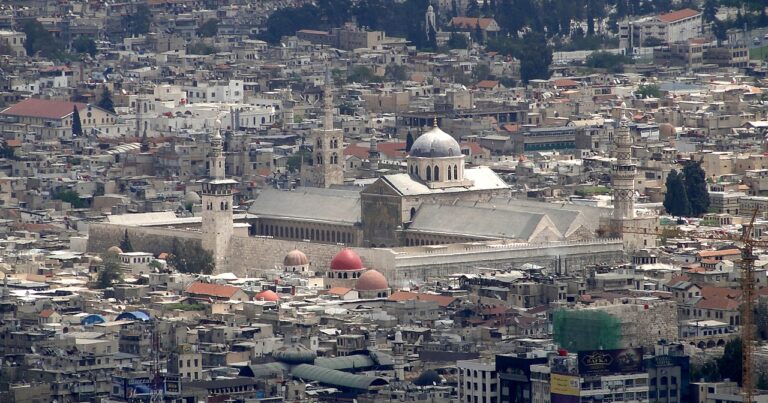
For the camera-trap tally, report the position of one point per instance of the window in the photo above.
(455, 172)
(429, 173)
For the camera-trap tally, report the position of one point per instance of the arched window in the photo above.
(334, 159)
(413, 212)
(437, 173)
(319, 143)
(449, 173)
(429, 173)
(319, 159)
(222, 205)
(456, 172)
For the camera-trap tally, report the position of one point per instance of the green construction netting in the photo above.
(581, 330)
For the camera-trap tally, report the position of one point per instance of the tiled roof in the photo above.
(43, 108)
(471, 22)
(339, 290)
(213, 290)
(714, 253)
(487, 84)
(678, 15)
(46, 313)
(721, 303)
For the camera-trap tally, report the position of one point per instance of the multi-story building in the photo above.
(478, 382)
(677, 26)
(14, 41)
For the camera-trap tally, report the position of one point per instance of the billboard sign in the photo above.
(601, 362)
(564, 388)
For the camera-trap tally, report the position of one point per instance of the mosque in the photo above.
(438, 218)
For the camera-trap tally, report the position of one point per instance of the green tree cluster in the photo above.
(125, 243)
(209, 28)
(613, 63)
(189, 257)
(648, 91)
(110, 273)
(457, 41)
(105, 102)
(77, 125)
(294, 161)
(70, 196)
(687, 194)
(84, 45)
(201, 48)
(139, 21)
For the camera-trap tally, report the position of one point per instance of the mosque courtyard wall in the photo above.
(252, 256)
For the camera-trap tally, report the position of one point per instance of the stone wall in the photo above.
(143, 239)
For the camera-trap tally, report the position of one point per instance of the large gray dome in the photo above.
(435, 144)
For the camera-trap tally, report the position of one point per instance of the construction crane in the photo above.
(746, 244)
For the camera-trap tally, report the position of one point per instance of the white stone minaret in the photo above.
(217, 203)
(398, 355)
(429, 21)
(623, 174)
(326, 166)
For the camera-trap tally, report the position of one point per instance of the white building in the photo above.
(14, 41)
(227, 92)
(478, 382)
(677, 26)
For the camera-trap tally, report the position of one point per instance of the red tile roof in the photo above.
(678, 15)
(565, 83)
(721, 303)
(212, 290)
(357, 151)
(46, 313)
(339, 291)
(43, 108)
(488, 84)
(471, 22)
(714, 253)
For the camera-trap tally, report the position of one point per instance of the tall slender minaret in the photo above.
(398, 355)
(623, 174)
(326, 167)
(373, 154)
(217, 203)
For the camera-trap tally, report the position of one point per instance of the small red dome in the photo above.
(267, 295)
(371, 280)
(347, 259)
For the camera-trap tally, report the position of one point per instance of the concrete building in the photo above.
(677, 26)
(477, 382)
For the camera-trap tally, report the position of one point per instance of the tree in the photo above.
(77, 126)
(710, 10)
(648, 91)
(70, 196)
(110, 272)
(84, 45)
(361, 74)
(473, 8)
(730, 363)
(457, 41)
(39, 40)
(294, 161)
(676, 200)
(395, 72)
(189, 257)
(125, 243)
(408, 142)
(535, 57)
(138, 23)
(604, 60)
(696, 187)
(209, 28)
(201, 48)
(106, 101)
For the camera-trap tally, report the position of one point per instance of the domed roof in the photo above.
(371, 280)
(435, 144)
(115, 249)
(267, 295)
(295, 354)
(192, 197)
(295, 258)
(347, 259)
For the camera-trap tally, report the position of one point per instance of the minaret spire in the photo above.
(623, 175)
(328, 101)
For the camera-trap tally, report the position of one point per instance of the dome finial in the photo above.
(434, 123)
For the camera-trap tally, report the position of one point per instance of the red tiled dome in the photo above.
(267, 295)
(295, 258)
(371, 280)
(347, 259)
